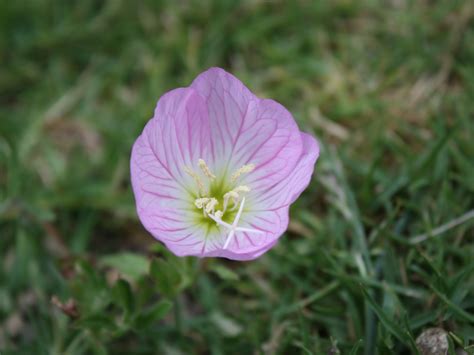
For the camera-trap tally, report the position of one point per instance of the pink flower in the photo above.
(215, 170)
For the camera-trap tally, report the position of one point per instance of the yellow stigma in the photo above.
(248, 168)
(205, 169)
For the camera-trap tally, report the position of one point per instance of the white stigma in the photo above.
(218, 215)
(209, 204)
(234, 226)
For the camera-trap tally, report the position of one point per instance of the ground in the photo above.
(379, 248)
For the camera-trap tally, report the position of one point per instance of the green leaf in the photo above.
(455, 309)
(451, 347)
(97, 322)
(129, 264)
(401, 334)
(356, 347)
(148, 317)
(123, 295)
(227, 326)
(225, 273)
(167, 277)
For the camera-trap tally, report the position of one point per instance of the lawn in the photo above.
(380, 247)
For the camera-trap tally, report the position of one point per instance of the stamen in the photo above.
(231, 194)
(242, 188)
(205, 169)
(201, 202)
(243, 170)
(218, 216)
(234, 194)
(211, 205)
(197, 179)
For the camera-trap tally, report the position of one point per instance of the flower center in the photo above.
(218, 203)
(214, 199)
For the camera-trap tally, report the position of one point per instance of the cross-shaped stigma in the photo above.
(233, 227)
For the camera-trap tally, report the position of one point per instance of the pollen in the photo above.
(197, 179)
(231, 194)
(242, 188)
(215, 205)
(205, 169)
(219, 214)
(211, 205)
(248, 168)
(201, 202)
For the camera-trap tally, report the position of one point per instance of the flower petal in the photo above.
(219, 120)
(249, 130)
(286, 191)
(180, 132)
(247, 245)
(177, 136)
(270, 212)
(227, 100)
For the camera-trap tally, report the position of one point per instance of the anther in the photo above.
(196, 178)
(211, 205)
(218, 215)
(228, 195)
(242, 188)
(243, 170)
(205, 169)
(201, 202)
(234, 194)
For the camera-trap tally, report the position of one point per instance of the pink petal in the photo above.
(219, 120)
(178, 135)
(248, 129)
(271, 212)
(272, 222)
(180, 132)
(287, 190)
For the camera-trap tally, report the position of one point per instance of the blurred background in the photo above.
(379, 255)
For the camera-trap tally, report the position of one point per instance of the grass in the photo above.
(380, 246)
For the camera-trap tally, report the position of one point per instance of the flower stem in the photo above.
(178, 315)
